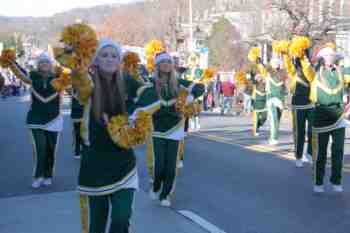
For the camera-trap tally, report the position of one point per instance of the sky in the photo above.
(39, 8)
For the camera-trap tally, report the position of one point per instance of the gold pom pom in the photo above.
(131, 62)
(152, 49)
(254, 54)
(126, 136)
(298, 46)
(181, 100)
(7, 56)
(81, 41)
(181, 106)
(281, 46)
(208, 75)
(240, 78)
(64, 79)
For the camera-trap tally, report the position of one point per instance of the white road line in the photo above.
(200, 221)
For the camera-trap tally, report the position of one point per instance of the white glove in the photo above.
(189, 99)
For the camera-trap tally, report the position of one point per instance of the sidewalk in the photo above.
(59, 212)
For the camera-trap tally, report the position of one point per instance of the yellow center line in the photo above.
(281, 153)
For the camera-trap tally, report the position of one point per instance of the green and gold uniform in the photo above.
(259, 105)
(108, 174)
(327, 88)
(302, 108)
(168, 133)
(44, 120)
(275, 94)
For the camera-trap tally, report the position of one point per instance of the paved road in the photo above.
(227, 180)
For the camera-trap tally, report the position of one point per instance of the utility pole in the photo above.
(191, 26)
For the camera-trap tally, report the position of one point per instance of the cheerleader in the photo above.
(108, 175)
(302, 109)
(327, 88)
(44, 118)
(168, 125)
(275, 94)
(259, 103)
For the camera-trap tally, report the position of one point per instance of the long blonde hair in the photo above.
(161, 84)
(108, 97)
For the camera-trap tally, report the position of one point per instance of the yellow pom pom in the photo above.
(281, 46)
(7, 56)
(298, 46)
(126, 136)
(240, 77)
(208, 75)
(131, 62)
(254, 54)
(152, 49)
(82, 40)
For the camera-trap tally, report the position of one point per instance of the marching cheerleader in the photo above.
(302, 108)
(44, 118)
(327, 88)
(259, 103)
(108, 175)
(275, 94)
(168, 125)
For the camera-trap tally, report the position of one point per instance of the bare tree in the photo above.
(295, 17)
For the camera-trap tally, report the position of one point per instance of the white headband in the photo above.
(105, 42)
(164, 56)
(275, 63)
(326, 51)
(45, 57)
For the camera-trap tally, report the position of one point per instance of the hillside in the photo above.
(47, 28)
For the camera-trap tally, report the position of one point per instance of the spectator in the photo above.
(247, 99)
(217, 91)
(228, 91)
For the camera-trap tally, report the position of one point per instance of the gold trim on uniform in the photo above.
(108, 189)
(168, 103)
(140, 91)
(328, 128)
(295, 129)
(84, 212)
(41, 98)
(35, 126)
(35, 153)
(303, 107)
(170, 131)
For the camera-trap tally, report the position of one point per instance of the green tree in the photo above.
(224, 53)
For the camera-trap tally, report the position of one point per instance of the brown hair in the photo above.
(109, 96)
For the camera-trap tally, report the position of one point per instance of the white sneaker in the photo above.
(153, 195)
(273, 142)
(318, 189)
(77, 156)
(37, 182)
(256, 134)
(165, 203)
(151, 180)
(299, 163)
(308, 158)
(338, 188)
(180, 164)
(47, 182)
